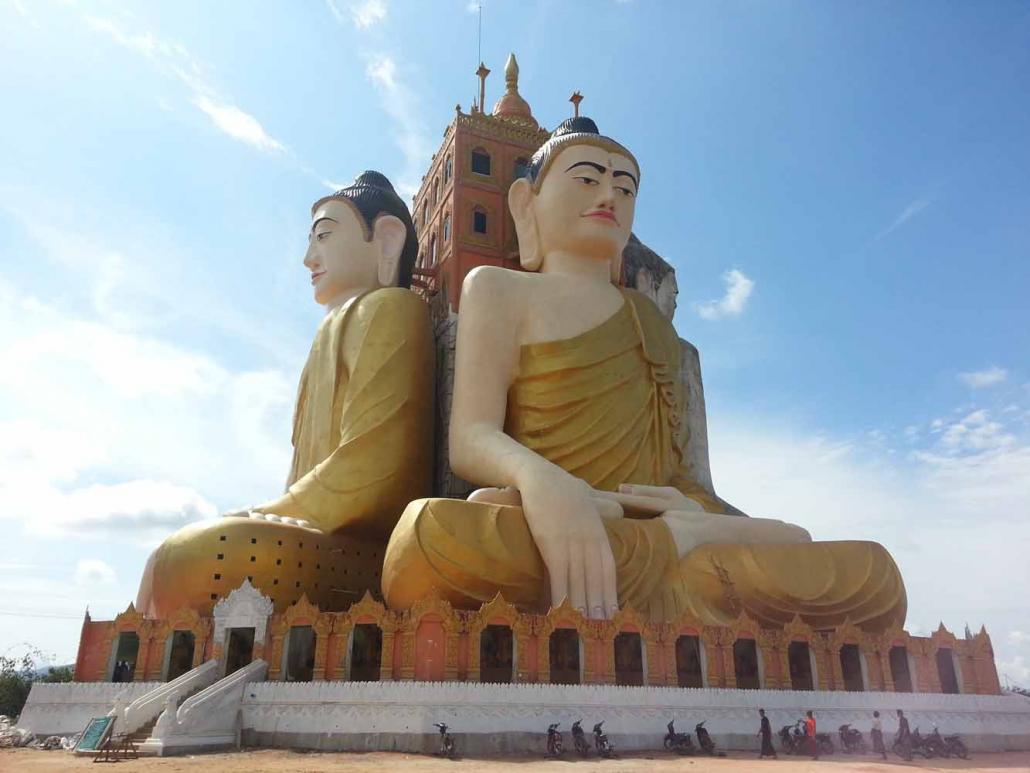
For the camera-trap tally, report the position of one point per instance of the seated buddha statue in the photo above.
(362, 429)
(567, 407)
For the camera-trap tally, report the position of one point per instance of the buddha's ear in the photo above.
(388, 235)
(520, 203)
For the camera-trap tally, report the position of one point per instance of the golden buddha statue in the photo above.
(567, 404)
(362, 429)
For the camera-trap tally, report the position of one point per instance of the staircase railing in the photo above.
(130, 718)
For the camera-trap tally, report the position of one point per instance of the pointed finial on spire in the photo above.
(481, 73)
(511, 74)
(575, 99)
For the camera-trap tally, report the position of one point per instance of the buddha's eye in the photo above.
(625, 191)
(323, 235)
(587, 180)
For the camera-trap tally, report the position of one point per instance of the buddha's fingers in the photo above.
(557, 564)
(595, 582)
(611, 595)
(577, 577)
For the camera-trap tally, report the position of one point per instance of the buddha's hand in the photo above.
(693, 528)
(565, 521)
(655, 499)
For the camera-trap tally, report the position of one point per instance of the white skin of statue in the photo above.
(344, 265)
(574, 228)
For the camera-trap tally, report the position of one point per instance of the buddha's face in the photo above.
(586, 202)
(340, 260)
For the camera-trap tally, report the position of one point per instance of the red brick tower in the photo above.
(461, 210)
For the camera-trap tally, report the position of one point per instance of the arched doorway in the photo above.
(629, 659)
(851, 668)
(366, 653)
(496, 654)
(900, 674)
(799, 660)
(563, 650)
(180, 654)
(689, 672)
(946, 671)
(745, 664)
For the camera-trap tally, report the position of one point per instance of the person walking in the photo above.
(765, 730)
(813, 747)
(903, 740)
(877, 735)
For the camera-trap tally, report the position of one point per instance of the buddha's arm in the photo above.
(384, 457)
(563, 519)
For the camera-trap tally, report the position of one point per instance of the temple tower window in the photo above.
(448, 168)
(481, 162)
(479, 222)
(447, 227)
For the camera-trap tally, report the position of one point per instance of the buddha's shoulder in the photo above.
(391, 303)
(483, 280)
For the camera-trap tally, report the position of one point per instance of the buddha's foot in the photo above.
(469, 551)
(205, 561)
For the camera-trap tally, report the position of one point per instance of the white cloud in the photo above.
(738, 290)
(909, 212)
(174, 60)
(238, 124)
(474, 6)
(367, 13)
(983, 378)
(1019, 637)
(1014, 672)
(401, 104)
(92, 571)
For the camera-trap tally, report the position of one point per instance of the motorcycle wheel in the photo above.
(861, 747)
(668, 745)
(959, 750)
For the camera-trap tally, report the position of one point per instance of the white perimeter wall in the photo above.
(379, 715)
(65, 708)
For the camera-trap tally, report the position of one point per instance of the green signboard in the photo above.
(95, 734)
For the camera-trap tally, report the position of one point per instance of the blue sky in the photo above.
(843, 189)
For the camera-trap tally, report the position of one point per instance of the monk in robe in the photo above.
(567, 404)
(362, 429)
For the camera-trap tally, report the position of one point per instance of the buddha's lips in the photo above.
(316, 276)
(602, 214)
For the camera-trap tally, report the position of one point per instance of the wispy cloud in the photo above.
(474, 6)
(365, 14)
(93, 571)
(400, 102)
(238, 124)
(984, 378)
(174, 60)
(738, 290)
(909, 212)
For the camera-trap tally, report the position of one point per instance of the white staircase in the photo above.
(206, 721)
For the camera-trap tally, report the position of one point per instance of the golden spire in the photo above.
(512, 105)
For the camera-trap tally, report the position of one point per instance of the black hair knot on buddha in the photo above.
(372, 195)
(578, 125)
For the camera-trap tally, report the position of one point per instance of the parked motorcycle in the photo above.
(792, 738)
(579, 739)
(704, 740)
(921, 745)
(678, 742)
(601, 743)
(555, 746)
(824, 743)
(851, 740)
(446, 742)
(954, 746)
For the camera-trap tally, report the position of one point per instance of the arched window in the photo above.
(481, 162)
(799, 660)
(436, 190)
(629, 659)
(745, 664)
(688, 662)
(425, 213)
(563, 651)
(448, 168)
(496, 654)
(900, 674)
(851, 668)
(432, 250)
(946, 672)
(447, 227)
(479, 220)
(521, 165)
(366, 653)
(299, 654)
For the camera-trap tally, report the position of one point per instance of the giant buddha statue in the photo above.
(567, 408)
(362, 429)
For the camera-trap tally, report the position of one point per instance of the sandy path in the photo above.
(279, 761)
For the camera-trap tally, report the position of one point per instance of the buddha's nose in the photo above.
(309, 258)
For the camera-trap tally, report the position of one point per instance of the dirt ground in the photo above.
(279, 761)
